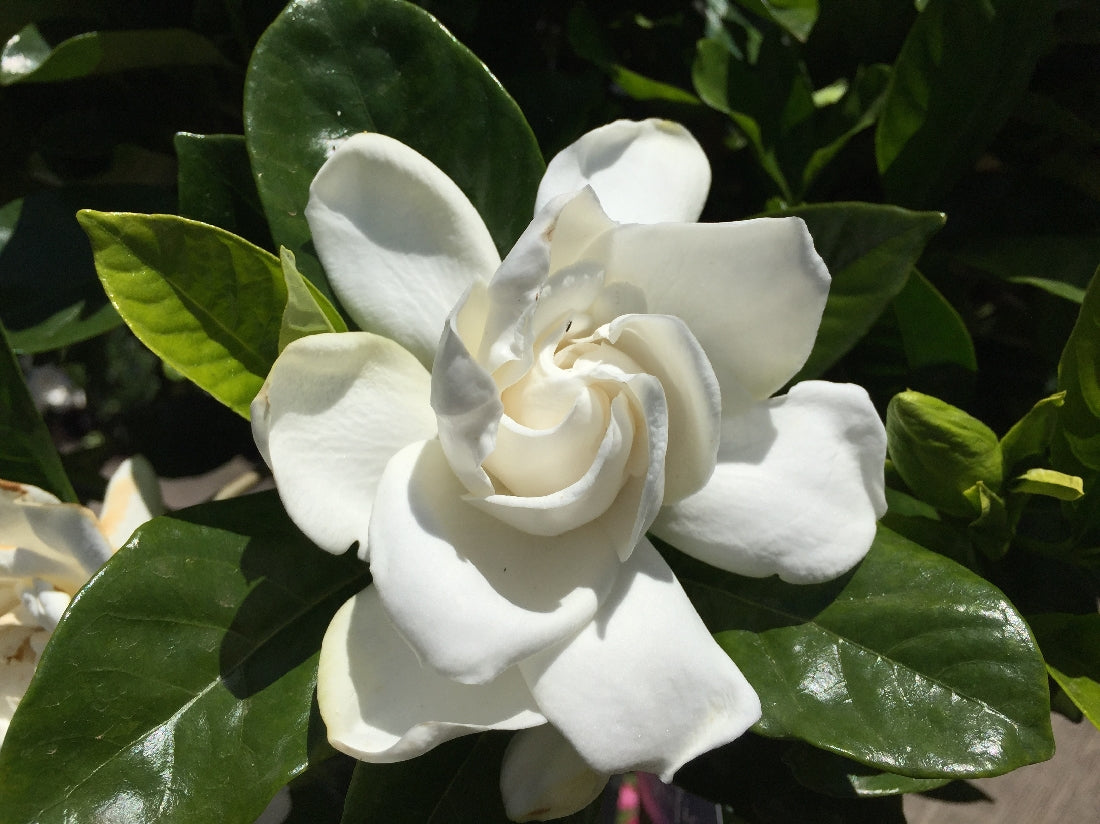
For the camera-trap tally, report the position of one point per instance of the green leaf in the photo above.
(324, 71)
(9, 217)
(910, 663)
(1071, 646)
(27, 453)
(953, 87)
(1051, 483)
(843, 778)
(796, 16)
(307, 311)
(1054, 287)
(216, 185)
(870, 250)
(28, 58)
(1079, 377)
(932, 332)
(1034, 432)
(179, 686)
(941, 452)
(1059, 264)
(990, 531)
(202, 299)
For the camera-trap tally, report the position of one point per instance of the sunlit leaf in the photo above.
(204, 300)
(910, 664)
(179, 687)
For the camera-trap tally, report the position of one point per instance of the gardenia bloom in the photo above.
(48, 550)
(612, 376)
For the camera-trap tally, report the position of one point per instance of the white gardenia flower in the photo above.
(49, 550)
(606, 379)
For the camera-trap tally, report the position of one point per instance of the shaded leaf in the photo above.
(389, 67)
(870, 250)
(932, 332)
(1034, 432)
(204, 300)
(1071, 646)
(910, 664)
(307, 311)
(796, 16)
(28, 58)
(179, 687)
(952, 89)
(843, 778)
(216, 185)
(27, 453)
(1079, 377)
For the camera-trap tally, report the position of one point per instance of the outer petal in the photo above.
(651, 171)
(751, 292)
(542, 777)
(132, 498)
(42, 538)
(399, 240)
(381, 705)
(797, 490)
(334, 409)
(472, 595)
(643, 686)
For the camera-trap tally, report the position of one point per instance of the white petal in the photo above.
(652, 171)
(399, 240)
(644, 686)
(665, 348)
(334, 409)
(471, 594)
(751, 292)
(797, 490)
(380, 705)
(132, 498)
(542, 777)
(18, 660)
(40, 538)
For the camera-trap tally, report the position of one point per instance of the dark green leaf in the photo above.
(843, 778)
(324, 71)
(28, 58)
(870, 250)
(1059, 264)
(910, 664)
(27, 453)
(1079, 377)
(962, 70)
(796, 16)
(1071, 646)
(179, 687)
(216, 185)
(204, 300)
(9, 216)
(931, 330)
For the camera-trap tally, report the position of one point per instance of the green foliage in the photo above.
(1079, 378)
(28, 58)
(1071, 646)
(389, 67)
(190, 661)
(27, 453)
(202, 299)
(307, 311)
(932, 331)
(911, 664)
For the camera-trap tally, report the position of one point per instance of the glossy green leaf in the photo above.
(962, 69)
(1051, 483)
(388, 67)
(27, 453)
(1033, 433)
(216, 185)
(1079, 377)
(28, 58)
(9, 216)
(870, 250)
(843, 778)
(307, 311)
(910, 664)
(932, 332)
(796, 16)
(940, 451)
(204, 300)
(1071, 646)
(179, 687)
